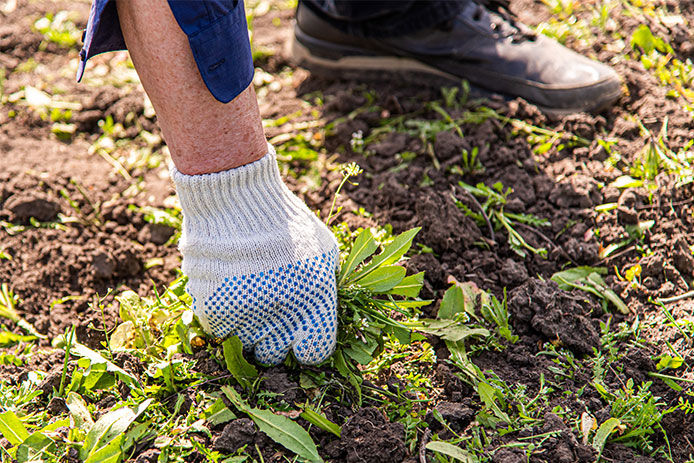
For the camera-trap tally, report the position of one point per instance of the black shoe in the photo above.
(489, 50)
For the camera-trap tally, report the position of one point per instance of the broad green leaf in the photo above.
(130, 303)
(110, 452)
(409, 286)
(450, 450)
(360, 352)
(488, 395)
(286, 432)
(96, 358)
(452, 303)
(402, 305)
(604, 432)
(34, 447)
(218, 413)
(391, 254)
(320, 420)
(242, 371)
(383, 279)
(574, 274)
(363, 247)
(12, 428)
(110, 425)
(279, 428)
(78, 410)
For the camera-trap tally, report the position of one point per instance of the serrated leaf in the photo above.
(383, 279)
(392, 253)
(410, 286)
(12, 428)
(450, 450)
(363, 247)
(242, 371)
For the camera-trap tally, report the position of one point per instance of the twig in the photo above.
(667, 300)
(423, 446)
(619, 254)
(675, 204)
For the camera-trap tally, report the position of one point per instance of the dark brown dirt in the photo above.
(106, 245)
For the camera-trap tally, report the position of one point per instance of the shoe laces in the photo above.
(503, 21)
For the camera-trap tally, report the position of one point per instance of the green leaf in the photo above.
(449, 330)
(487, 393)
(218, 413)
(391, 254)
(383, 279)
(279, 428)
(363, 247)
(286, 432)
(452, 303)
(318, 419)
(242, 371)
(450, 450)
(361, 352)
(604, 432)
(110, 452)
(574, 274)
(7, 338)
(409, 286)
(106, 429)
(96, 358)
(34, 447)
(78, 410)
(12, 428)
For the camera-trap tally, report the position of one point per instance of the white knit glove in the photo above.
(260, 264)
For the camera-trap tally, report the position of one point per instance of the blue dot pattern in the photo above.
(292, 306)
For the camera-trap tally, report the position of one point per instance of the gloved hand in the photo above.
(260, 264)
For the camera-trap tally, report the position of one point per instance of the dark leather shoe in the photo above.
(488, 49)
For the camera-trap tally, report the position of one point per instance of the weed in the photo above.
(589, 279)
(493, 215)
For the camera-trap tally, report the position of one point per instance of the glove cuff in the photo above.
(246, 218)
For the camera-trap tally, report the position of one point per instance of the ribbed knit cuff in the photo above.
(246, 218)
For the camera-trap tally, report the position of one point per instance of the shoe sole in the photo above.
(359, 66)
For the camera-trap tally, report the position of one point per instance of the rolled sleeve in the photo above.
(217, 33)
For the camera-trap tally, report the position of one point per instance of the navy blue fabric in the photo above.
(216, 30)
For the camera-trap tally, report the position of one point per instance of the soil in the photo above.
(67, 275)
